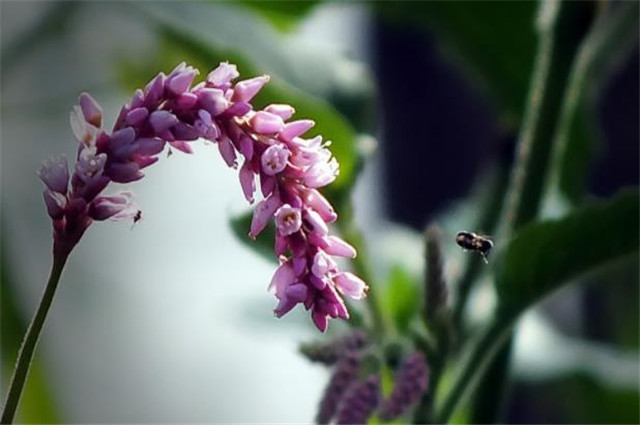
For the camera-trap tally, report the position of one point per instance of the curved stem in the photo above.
(25, 355)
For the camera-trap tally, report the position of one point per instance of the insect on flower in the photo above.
(470, 241)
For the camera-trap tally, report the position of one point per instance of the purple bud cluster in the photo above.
(345, 374)
(329, 353)
(360, 402)
(411, 382)
(287, 168)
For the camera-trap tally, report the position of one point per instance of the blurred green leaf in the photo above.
(545, 255)
(189, 43)
(610, 40)
(284, 15)
(263, 245)
(401, 298)
(494, 40)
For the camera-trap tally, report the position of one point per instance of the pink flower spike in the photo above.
(223, 74)
(124, 172)
(263, 213)
(213, 101)
(288, 220)
(321, 320)
(321, 205)
(351, 285)
(315, 222)
(54, 173)
(295, 129)
(137, 115)
(55, 203)
(154, 90)
(338, 247)
(182, 146)
(162, 120)
(181, 81)
(274, 159)
(227, 151)
(116, 207)
(321, 174)
(283, 277)
(293, 294)
(186, 100)
(245, 90)
(267, 184)
(266, 123)
(247, 181)
(90, 166)
(90, 109)
(282, 110)
(322, 264)
(84, 132)
(245, 146)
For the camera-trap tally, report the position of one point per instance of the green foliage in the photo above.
(547, 254)
(284, 15)
(609, 41)
(401, 298)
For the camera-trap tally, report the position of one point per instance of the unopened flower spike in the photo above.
(288, 169)
(411, 382)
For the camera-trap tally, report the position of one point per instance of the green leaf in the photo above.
(401, 298)
(284, 15)
(193, 44)
(263, 244)
(545, 255)
(612, 39)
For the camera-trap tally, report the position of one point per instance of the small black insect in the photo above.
(472, 242)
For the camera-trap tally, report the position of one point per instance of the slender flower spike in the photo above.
(328, 353)
(176, 110)
(411, 382)
(346, 372)
(360, 402)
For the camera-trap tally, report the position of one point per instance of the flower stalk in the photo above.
(28, 346)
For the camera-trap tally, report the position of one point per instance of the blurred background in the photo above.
(170, 320)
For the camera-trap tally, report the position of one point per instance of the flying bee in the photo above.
(471, 242)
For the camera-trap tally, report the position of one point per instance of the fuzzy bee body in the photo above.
(473, 242)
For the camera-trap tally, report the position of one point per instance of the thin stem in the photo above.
(484, 349)
(25, 355)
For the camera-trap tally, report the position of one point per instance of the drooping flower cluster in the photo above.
(288, 168)
(410, 383)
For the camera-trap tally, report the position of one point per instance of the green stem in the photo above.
(485, 347)
(25, 355)
(562, 26)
